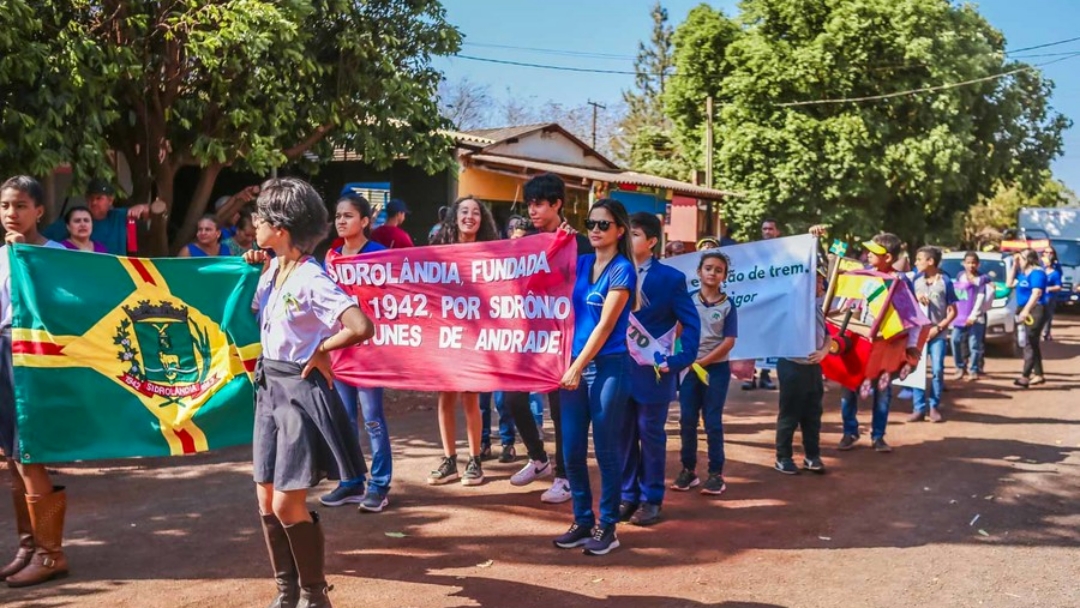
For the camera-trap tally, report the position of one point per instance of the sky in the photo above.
(603, 35)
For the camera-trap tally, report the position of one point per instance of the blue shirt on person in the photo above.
(1028, 282)
(589, 299)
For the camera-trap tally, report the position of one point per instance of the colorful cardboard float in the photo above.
(869, 316)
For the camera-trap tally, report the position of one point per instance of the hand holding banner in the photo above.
(475, 317)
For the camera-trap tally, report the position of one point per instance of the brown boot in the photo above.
(22, 524)
(306, 539)
(47, 518)
(281, 559)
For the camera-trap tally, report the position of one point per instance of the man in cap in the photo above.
(390, 234)
(110, 225)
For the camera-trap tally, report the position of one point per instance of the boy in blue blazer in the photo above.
(665, 304)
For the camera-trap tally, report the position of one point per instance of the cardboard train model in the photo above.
(869, 316)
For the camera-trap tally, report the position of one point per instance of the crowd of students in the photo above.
(307, 424)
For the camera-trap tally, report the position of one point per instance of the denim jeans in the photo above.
(600, 400)
(849, 407)
(923, 399)
(536, 404)
(369, 402)
(506, 421)
(969, 341)
(644, 451)
(698, 401)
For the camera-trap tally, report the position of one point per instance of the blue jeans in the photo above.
(644, 451)
(536, 404)
(971, 338)
(698, 401)
(506, 421)
(922, 399)
(600, 400)
(849, 407)
(369, 402)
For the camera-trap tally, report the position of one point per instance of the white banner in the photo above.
(772, 284)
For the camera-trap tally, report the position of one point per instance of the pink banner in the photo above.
(475, 317)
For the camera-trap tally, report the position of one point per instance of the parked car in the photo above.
(1001, 318)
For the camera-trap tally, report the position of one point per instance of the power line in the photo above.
(561, 52)
(1042, 46)
(545, 67)
(792, 104)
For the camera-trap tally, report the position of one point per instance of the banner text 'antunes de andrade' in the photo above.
(473, 317)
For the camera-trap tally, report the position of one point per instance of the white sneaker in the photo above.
(533, 470)
(559, 492)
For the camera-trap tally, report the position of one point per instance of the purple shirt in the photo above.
(98, 247)
(299, 315)
(967, 295)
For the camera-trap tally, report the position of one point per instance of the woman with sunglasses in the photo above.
(596, 387)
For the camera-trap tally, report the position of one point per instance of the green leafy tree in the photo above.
(907, 162)
(257, 84)
(994, 215)
(643, 138)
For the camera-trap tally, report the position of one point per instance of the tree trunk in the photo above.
(197, 206)
(158, 245)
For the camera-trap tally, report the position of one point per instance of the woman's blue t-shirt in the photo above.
(1026, 282)
(589, 302)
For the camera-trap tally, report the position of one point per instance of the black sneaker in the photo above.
(485, 453)
(626, 510)
(687, 479)
(847, 442)
(576, 536)
(603, 541)
(814, 465)
(786, 466)
(446, 472)
(374, 501)
(749, 385)
(646, 515)
(474, 473)
(508, 455)
(343, 495)
(714, 485)
(881, 446)
(767, 384)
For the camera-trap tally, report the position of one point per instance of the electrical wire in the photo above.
(546, 67)
(562, 52)
(1043, 46)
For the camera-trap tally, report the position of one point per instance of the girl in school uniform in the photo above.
(39, 505)
(596, 386)
(468, 221)
(301, 428)
(353, 222)
(697, 399)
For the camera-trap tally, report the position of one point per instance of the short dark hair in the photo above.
(212, 218)
(931, 252)
(28, 186)
(70, 212)
(292, 204)
(647, 223)
(890, 242)
(770, 220)
(546, 187)
(972, 255)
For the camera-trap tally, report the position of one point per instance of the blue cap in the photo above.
(396, 206)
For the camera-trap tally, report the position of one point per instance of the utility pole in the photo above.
(595, 106)
(708, 142)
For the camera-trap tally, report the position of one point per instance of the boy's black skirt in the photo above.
(302, 433)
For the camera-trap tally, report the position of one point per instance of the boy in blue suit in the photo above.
(665, 303)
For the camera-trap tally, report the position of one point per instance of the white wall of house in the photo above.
(547, 146)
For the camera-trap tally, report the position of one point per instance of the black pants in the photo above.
(1033, 349)
(801, 392)
(530, 435)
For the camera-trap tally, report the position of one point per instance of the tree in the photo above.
(257, 84)
(908, 162)
(999, 213)
(644, 103)
(466, 104)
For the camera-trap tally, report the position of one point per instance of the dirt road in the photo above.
(983, 510)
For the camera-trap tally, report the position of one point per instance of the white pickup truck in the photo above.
(1061, 226)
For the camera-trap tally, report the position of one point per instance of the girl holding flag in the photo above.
(39, 505)
(301, 428)
(596, 386)
(468, 221)
(353, 222)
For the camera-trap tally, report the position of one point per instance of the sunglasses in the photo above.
(603, 225)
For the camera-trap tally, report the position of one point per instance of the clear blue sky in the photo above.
(608, 31)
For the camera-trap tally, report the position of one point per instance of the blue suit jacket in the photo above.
(666, 302)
